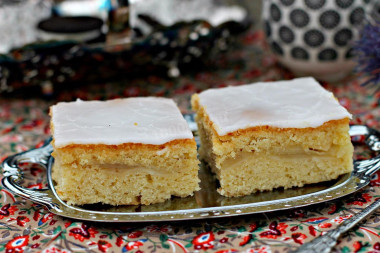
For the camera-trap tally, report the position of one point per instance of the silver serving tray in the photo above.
(206, 203)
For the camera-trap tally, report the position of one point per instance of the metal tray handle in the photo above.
(364, 169)
(13, 174)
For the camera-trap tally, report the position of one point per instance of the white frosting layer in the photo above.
(146, 120)
(298, 103)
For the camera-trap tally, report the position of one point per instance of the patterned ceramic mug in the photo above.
(314, 37)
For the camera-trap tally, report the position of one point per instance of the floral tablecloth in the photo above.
(27, 227)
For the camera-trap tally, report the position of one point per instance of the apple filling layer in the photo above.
(257, 171)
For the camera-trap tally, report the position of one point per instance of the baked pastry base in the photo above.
(126, 174)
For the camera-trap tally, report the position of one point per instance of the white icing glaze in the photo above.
(298, 103)
(146, 120)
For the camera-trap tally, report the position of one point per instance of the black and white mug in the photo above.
(314, 37)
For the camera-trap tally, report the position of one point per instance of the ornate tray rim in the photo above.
(347, 184)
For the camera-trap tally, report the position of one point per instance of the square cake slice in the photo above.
(276, 134)
(122, 152)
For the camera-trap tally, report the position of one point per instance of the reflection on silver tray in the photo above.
(206, 203)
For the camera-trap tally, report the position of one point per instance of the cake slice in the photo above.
(276, 134)
(122, 152)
